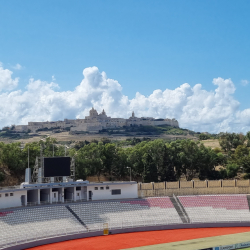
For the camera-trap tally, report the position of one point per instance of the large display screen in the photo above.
(56, 166)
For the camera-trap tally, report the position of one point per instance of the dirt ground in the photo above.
(212, 143)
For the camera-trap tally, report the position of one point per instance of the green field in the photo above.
(201, 243)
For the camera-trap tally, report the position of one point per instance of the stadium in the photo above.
(51, 207)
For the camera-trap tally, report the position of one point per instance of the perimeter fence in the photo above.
(180, 188)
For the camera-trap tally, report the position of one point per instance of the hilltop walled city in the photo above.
(96, 122)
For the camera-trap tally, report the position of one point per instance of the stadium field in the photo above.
(178, 239)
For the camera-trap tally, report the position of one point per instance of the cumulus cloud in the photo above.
(194, 107)
(17, 66)
(244, 82)
(6, 81)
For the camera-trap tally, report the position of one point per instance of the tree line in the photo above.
(149, 160)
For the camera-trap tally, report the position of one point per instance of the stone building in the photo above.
(95, 122)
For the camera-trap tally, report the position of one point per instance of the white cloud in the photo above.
(244, 82)
(53, 78)
(17, 66)
(194, 107)
(6, 81)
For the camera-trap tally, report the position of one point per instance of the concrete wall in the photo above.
(12, 201)
(194, 188)
(127, 191)
(159, 185)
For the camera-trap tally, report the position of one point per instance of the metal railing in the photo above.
(10, 187)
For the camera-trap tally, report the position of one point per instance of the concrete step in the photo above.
(76, 216)
(181, 211)
(248, 200)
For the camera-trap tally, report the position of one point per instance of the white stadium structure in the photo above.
(58, 208)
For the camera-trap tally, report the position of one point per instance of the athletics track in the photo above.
(139, 239)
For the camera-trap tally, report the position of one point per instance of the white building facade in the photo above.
(65, 192)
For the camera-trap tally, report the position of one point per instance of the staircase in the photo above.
(180, 210)
(248, 200)
(76, 216)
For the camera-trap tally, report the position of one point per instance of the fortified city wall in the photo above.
(96, 122)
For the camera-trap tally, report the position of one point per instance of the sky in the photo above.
(187, 60)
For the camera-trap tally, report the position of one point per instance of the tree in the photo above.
(90, 161)
(81, 144)
(203, 136)
(13, 157)
(120, 170)
(168, 173)
(110, 159)
(189, 157)
(2, 176)
(34, 151)
(232, 170)
(174, 150)
(105, 140)
(49, 145)
(248, 138)
(208, 160)
(241, 158)
(135, 160)
(231, 141)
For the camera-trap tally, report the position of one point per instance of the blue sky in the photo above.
(144, 45)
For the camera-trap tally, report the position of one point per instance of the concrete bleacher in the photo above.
(127, 213)
(34, 223)
(216, 208)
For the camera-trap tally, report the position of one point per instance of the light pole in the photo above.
(22, 147)
(130, 172)
(29, 159)
(41, 148)
(65, 149)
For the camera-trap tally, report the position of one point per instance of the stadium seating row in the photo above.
(128, 213)
(216, 208)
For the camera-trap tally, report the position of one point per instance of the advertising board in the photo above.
(228, 247)
(241, 245)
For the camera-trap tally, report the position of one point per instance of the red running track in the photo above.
(138, 239)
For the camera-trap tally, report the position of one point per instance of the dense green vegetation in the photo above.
(10, 134)
(149, 160)
(149, 130)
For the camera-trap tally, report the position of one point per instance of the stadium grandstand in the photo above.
(20, 226)
(52, 207)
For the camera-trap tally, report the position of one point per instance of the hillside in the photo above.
(120, 134)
